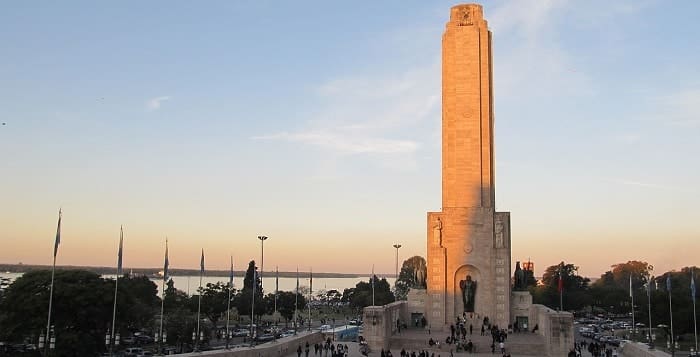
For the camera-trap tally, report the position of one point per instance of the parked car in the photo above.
(241, 333)
(264, 338)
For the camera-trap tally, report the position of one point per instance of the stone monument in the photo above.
(468, 241)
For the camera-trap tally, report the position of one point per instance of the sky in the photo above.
(317, 124)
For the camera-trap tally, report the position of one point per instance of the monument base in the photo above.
(521, 310)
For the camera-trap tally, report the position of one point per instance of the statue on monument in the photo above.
(468, 287)
(419, 274)
(520, 279)
(499, 234)
(437, 232)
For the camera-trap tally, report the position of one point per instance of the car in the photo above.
(133, 351)
(264, 338)
(324, 327)
(241, 333)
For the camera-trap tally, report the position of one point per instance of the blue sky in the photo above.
(318, 124)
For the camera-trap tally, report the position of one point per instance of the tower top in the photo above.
(467, 15)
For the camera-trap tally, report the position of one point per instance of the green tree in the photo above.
(575, 288)
(82, 310)
(215, 300)
(285, 303)
(243, 300)
(361, 295)
(407, 277)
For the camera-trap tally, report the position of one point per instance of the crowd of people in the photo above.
(326, 349)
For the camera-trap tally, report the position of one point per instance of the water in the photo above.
(189, 284)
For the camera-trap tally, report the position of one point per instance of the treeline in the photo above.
(613, 292)
(23, 268)
(83, 303)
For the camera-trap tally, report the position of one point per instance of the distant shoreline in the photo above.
(23, 268)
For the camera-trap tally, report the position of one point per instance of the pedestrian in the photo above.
(471, 329)
(502, 346)
(299, 351)
(306, 349)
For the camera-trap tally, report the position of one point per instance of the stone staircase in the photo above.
(528, 344)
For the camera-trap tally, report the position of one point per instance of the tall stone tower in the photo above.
(468, 241)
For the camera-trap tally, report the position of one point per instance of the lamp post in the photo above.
(397, 246)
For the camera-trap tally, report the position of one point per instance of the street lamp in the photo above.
(262, 256)
(397, 246)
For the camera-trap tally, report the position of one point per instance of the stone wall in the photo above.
(557, 328)
(638, 349)
(282, 347)
(380, 323)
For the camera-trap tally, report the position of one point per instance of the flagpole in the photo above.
(228, 303)
(53, 273)
(199, 303)
(252, 306)
(311, 286)
(277, 285)
(651, 341)
(634, 327)
(296, 302)
(372, 279)
(670, 310)
(162, 294)
(695, 316)
(116, 288)
(561, 290)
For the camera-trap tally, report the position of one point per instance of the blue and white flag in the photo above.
(58, 234)
(630, 285)
(668, 283)
(166, 263)
(201, 263)
(692, 285)
(119, 254)
(230, 278)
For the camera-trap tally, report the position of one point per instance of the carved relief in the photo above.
(466, 18)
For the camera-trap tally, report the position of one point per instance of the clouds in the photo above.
(371, 115)
(155, 103)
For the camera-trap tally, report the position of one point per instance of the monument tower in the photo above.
(468, 241)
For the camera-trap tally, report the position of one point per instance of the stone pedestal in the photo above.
(521, 309)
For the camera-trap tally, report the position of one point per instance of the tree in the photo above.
(407, 277)
(575, 288)
(286, 303)
(243, 300)
(361, 295)
(215, 300)
(82, 310)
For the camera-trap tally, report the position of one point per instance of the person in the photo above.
(306, 349)
(483, 330)
(502, 346)
(471, 329)
(299, 351)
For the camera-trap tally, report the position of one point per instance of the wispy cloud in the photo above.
(155, 103)
(681, 108)
(656, 186)
(345, 144)
(371, 115)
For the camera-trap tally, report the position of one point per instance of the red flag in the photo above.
(560, 288)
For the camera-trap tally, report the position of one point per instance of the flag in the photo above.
(58, 234)
(668, 283)
(277, 279)
(119, 254)
(165, 265)
(560, 286)
(311, 280)
(297, 280)
(201, 263)
(630, 285)
(692, 285)
(230, 277)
